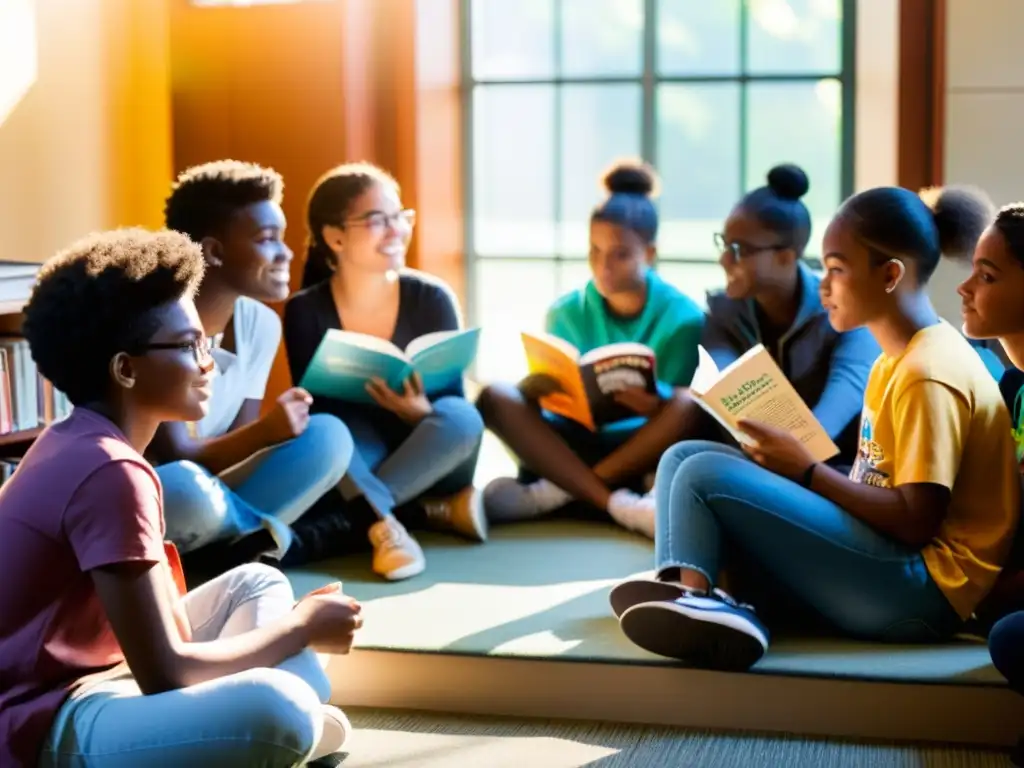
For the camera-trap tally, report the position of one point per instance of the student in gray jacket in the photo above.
(771, 297)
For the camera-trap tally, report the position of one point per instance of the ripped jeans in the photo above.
(863, 583)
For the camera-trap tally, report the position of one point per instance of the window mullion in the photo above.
(648, 129)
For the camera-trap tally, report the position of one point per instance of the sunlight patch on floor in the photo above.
(421, 609)
(393, 749)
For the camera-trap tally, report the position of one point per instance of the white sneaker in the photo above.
(337, 730)
(633, 512)
(506, 499)
(396, 554)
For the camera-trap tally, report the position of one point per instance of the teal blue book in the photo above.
(345, 361)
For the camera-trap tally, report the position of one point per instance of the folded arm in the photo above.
(138, 599)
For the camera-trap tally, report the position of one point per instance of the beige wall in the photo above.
(85, 144)
(984, 112)
(877, 98)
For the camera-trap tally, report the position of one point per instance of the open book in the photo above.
(754, 387)
(345, 361)
(589, 382)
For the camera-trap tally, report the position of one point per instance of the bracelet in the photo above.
(808, 475)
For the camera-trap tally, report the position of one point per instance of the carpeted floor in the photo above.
(540, 590)
(415, 740)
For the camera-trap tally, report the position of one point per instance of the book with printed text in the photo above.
(753, 387)
(589, 381)
(344, 362)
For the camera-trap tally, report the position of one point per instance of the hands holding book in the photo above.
(639, 401)
(538, 385)
(776, 449)
(411, 405)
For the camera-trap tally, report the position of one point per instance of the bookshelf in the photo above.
(27, 402)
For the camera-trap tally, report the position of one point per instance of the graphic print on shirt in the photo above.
(869, 456)
(1018, 430)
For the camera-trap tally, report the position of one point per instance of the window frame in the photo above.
(649, 80)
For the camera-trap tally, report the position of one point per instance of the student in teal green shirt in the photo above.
(625, 301)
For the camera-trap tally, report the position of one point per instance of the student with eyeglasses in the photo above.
(771, 298)
(414, 455)
(905, 546)
(238, 480)
(105, 658)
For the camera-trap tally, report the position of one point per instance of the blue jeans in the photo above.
(861, 582)
(260, 717)
(272, 489)
(393, 465)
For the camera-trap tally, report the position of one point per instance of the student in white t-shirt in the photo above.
(236, 481)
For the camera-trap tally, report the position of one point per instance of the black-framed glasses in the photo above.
(200, 347)
(381, 220)
(741, 250)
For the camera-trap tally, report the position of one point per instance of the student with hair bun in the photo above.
(771, 298)
(906, 546)
(625, 301)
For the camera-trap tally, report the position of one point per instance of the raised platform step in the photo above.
(521, 627)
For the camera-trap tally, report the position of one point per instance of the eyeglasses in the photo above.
(200, 347)
(741, 250)
(381, 220)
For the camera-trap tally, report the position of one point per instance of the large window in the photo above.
(712, 92)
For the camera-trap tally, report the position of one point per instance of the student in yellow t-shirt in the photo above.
(907, 545)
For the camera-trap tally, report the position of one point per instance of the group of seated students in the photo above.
(163, 343)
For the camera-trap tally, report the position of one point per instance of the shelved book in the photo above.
(345, 361)
(589, 381)
(7, 467)
(754, 388)
(27, 400)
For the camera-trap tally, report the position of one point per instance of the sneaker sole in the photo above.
(629, 593)
(666, 630)
(479, 517)
(336, 731)
(405, 572)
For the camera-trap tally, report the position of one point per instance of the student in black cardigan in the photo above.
(411, 451)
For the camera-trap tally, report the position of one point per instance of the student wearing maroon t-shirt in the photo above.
(104, 659)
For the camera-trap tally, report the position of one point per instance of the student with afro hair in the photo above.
(237, 483)
(104, 658)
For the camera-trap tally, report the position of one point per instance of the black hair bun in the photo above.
(631, 177)
(788, 181)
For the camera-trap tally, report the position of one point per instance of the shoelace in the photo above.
(438, 511)
(729, 600)
(387, 535)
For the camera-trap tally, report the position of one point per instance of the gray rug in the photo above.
(540, 590)
(414, 740)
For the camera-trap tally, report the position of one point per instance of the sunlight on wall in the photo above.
(18, 53)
